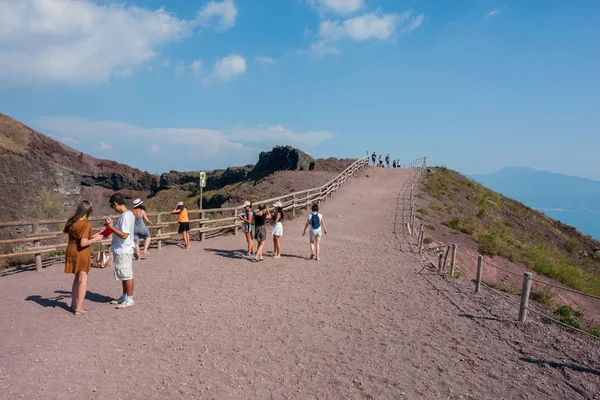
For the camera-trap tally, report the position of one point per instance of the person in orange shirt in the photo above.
(184, 222)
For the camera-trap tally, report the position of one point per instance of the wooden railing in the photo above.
(215, 220)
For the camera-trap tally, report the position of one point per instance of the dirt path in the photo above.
(360, 323)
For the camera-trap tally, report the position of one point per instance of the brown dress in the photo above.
(78, 259)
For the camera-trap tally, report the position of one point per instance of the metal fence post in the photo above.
(525, 296)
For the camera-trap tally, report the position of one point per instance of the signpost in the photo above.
(202, 185)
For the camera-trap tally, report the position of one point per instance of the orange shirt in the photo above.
(183, 216)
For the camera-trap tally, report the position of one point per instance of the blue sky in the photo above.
(186, 85)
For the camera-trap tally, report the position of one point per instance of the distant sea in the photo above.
(587, 222)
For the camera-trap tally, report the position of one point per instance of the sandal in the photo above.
(82, 312)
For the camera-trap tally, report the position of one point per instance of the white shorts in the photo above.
(277, 229)
(315, 235)
(123, 266)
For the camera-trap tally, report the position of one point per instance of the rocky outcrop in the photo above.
(32, 164)
(283, 158)
(214, 179)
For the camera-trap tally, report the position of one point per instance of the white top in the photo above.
(310, 216)
(125, 224)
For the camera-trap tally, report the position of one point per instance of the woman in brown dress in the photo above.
(79, 257)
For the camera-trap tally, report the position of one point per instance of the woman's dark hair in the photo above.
(280, 211)
(261, 206)
(84, 209)
(315, 208)
(141, 207)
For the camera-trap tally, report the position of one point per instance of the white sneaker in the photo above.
(119, 300)
(127, 303)
(317, 258)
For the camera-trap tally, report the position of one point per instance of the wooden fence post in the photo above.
(202, 234)
(440, 266)
(453, 260)
(526, 290)
(294, 207)
(235, 222)
(158, 232)
(307, 198)
(479, 273)
(420, 239)
(36, 243)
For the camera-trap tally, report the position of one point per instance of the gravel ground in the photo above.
(367, 321)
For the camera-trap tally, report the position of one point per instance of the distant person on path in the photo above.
(184, 222)
(122, 248)
(78, 259)
(398, 164)
(260, 230)
(140, 229)
(277, 230)
(374, 158)
(317, 228)
(380, 161)
(394, 164)
(247, 217)
(387, 160)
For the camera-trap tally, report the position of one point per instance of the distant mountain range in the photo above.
(542, 189)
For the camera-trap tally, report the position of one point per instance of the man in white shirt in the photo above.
(122, 248)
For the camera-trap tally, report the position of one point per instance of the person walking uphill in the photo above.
(277, 230)
(122, 248)
(317, 228)
(140, 229)
(184, 222)
(247, 218)
(79, 257)
(387, 160)
(373, 158)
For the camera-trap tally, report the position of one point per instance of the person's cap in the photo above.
(137, 203)
(247, 203)
(278, 204)
(180, 203)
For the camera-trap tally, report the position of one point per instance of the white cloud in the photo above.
(493, 12)
(227, 68)
(339, 6)
(178, 148)
(225, 12)
(370, 26)
(196, 66)
(265, 60)
(165, 64)
(179, 68)
(80, 41)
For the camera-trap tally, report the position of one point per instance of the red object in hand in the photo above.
(106, 232)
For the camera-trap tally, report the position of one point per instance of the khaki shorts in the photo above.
(315, 235)
(123, 266)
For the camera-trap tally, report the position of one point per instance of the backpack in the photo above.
(315, 223)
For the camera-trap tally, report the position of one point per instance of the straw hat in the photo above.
(137, 203)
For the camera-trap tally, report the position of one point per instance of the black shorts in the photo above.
(184, 227)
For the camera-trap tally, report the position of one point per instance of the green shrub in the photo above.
(571, 246)
(567, 311)
(543, 296)
(427, 240)
(422, 211)
(454, 223)
(488, 243)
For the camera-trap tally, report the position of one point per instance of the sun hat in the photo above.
(137, 203)
(278, 204)
(247, 203)
(180, 203)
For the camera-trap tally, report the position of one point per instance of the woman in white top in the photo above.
(277, 230)
(317, 227)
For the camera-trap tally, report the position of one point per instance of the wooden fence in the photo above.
(36, 234)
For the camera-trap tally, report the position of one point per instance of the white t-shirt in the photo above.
(125, 224)
(310, 217)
